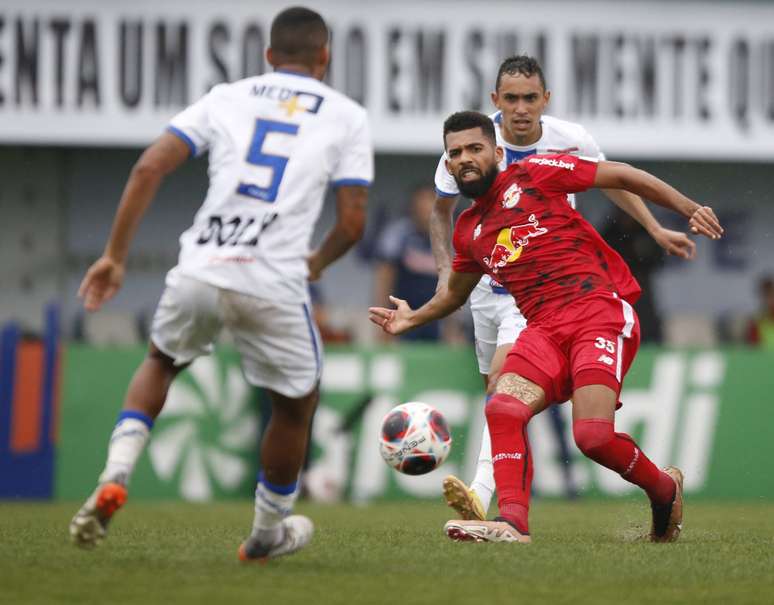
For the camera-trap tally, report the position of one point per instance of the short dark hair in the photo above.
(465, 120)
(297, 34)
(521, 64)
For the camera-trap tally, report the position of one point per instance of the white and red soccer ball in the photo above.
(414, 438)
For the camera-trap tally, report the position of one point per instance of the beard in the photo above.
(474, 189)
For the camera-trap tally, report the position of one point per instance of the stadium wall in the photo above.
(60, 224)
(705, 411)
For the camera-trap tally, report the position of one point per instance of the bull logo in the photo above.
(510, 243)
(511, 196)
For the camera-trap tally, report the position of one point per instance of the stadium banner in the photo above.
(663, 80)
(705, 411)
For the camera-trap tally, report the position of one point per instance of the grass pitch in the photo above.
(583, 553)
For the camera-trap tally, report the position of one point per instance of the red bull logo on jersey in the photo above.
(511, 242)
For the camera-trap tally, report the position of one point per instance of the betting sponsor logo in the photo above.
(553, 163)
(511, 242)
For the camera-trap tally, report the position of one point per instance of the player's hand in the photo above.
(392, 321)
(704, 222)
(675, 243)
(101, 282)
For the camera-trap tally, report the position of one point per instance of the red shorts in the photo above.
(593, 340)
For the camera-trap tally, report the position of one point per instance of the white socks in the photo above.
(127, 442)
(272, 504)
(483, 482)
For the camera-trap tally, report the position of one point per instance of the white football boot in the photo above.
(297, 532)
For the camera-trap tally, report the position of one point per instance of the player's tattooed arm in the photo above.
(445, 301)
(673, 242)
(522, 389)
(616, 175)
(441, 234)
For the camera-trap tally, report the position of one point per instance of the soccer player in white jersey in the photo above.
(521, 96)
(275, 142)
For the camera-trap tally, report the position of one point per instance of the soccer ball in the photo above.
(415, 438)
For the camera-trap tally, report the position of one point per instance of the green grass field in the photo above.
(587, 552)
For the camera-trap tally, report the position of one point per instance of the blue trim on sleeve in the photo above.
(351, 183)
(282, 490)
(183, 137)
(144, 418)
(440, 193)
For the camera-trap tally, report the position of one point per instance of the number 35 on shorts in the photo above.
(605, 345)
(608, 348)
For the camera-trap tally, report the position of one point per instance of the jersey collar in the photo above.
(292, 72)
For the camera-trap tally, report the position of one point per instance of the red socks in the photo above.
(507, 418)
(617, 451)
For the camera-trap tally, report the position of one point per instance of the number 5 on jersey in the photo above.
(257, 157)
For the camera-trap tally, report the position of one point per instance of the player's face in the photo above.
(472, 159)
(521, 100)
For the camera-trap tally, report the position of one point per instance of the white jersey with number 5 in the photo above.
(275, 143)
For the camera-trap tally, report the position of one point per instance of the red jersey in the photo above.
(525, 235)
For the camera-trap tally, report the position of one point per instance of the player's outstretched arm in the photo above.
(105, 276)
(441, 235)
(616, 175)
(446, 301)
(351, 202)
(675, 243)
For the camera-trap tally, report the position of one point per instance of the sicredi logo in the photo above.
(552, 162)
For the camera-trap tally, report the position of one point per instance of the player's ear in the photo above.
(270, 57)
(320, 62)
(495, 98)
(499, 154)
(547, 96)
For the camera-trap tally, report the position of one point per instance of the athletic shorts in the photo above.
(279, 344)
(593, 340)
(496, 322)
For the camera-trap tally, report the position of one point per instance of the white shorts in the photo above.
(279, 344)
(497, 321)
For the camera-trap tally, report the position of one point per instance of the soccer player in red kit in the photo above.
(576, 292)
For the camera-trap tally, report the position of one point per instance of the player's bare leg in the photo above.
(275, 531)
(143, 402)
(515, 401)
(473, 502)
(593, 428)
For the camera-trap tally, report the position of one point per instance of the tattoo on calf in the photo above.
(520, 388)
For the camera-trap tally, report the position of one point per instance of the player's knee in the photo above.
(298, 412)
(501, 404)
(164, 362)
(592, 436)
(522, 389)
